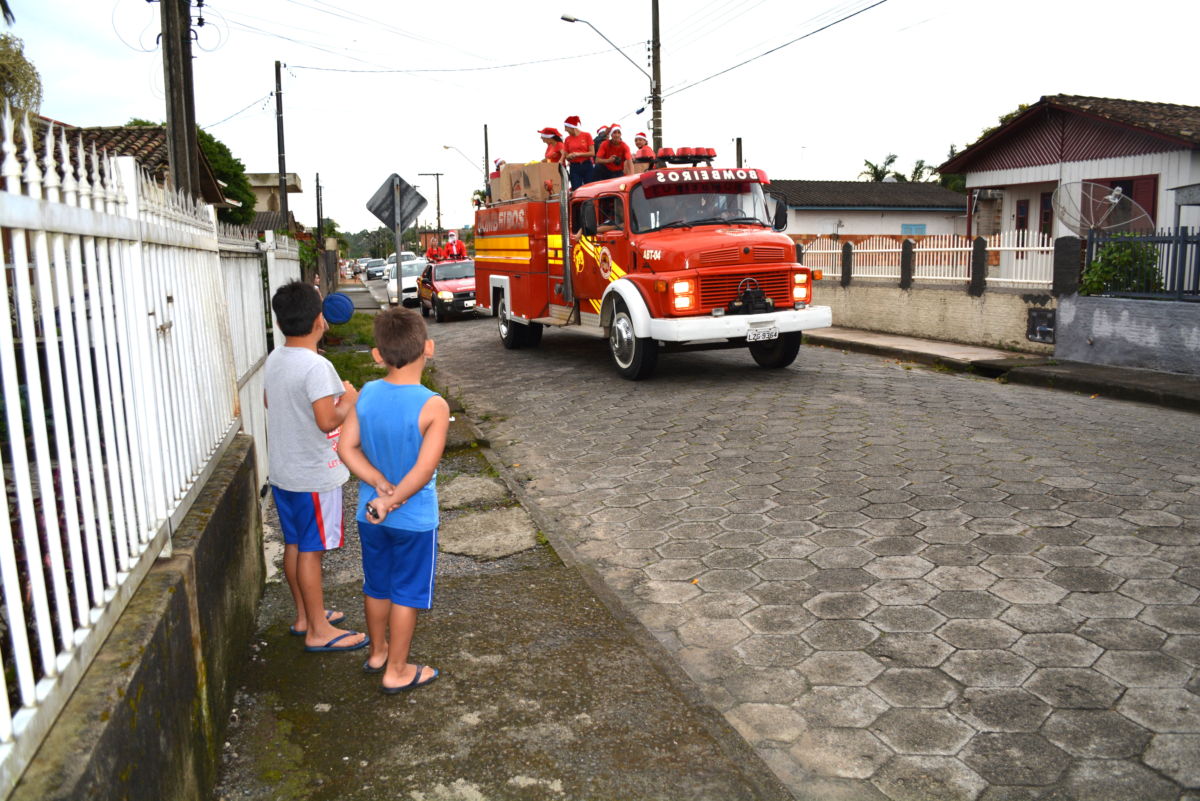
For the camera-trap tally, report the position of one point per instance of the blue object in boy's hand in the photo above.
(338, 308)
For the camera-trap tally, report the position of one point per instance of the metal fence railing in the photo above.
(1161, 265)
(130, 325)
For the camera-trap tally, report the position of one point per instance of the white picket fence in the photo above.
(1015, 258)
(132, 325)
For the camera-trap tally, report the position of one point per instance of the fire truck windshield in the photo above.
(699, 203)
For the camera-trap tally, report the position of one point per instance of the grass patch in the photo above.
(355, 366)
(358, 330)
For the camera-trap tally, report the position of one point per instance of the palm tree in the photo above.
(877, 172)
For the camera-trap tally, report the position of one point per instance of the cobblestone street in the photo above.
(896, 583)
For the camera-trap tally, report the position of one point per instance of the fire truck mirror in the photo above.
(781, 213)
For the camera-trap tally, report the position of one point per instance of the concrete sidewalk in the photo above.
(1174, 390)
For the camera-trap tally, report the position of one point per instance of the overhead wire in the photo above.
(778, 48)
(252, 103)
(459, 69)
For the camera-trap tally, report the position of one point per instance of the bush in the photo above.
(1123, 264)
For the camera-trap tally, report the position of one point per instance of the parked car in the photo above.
(405, 290)
(375, 269)
(447, 287)
(361, 265)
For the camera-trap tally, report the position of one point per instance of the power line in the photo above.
(253, 103)
(459, 69)
(775, 49)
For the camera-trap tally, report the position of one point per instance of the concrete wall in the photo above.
(996, 319)
(147, 720)
(1154, 334)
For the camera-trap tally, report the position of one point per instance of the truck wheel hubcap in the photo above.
(621, 340)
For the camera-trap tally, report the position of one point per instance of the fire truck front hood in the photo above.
(713, 246)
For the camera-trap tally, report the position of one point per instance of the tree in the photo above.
(232, 173)
(955, 182)
(877, 172)
(19, 79)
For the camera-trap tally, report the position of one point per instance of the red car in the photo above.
(447, 287)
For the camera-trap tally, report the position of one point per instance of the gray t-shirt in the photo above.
(301, 457)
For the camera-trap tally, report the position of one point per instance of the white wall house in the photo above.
(828, 208)
(1146, 149)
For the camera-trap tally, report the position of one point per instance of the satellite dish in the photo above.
(1084, 206)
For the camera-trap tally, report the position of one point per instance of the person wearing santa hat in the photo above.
(612, 159)
(455, 249)
(578, 149)
(554, 145)
(644, 151)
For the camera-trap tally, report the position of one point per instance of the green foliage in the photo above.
(19, 79)
(877, 172)
(1122, 266)
(308, 254)
(232, 173)
(355, 366)
(358, 330)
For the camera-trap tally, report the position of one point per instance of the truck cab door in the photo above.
(602, 253)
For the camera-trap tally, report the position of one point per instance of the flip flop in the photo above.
(330, 646)
(368, 669)
(412, 685)
(329, 615)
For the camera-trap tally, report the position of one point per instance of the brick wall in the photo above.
(996, 319)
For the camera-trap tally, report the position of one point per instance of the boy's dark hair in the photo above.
(296, 306)
(400, 336)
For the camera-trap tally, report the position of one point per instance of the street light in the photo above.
(464, 155)
(655, 79)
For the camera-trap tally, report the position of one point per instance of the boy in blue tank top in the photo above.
(393, 441)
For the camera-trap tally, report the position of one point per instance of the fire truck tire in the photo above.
(510, 332)
(634, 357)
(778, 352)
(532, 334)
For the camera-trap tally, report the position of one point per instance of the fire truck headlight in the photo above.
(682, 287)
(800, 293)
(684, 302)
(444, 295)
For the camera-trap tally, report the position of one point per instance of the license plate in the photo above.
(762, 334)
(468, 304)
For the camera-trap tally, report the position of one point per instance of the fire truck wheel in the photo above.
(635, 357)
(778, 352)
(510, 334)
(532, 334)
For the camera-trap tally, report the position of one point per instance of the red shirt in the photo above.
(580, 143)
(554, 151)
(645, 152)
(609, 148)
(455, 248)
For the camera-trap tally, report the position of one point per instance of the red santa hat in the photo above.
(499, 163)
(572, 121)
(638, 136)
(616, 126)
(601, 129)
(548, 132)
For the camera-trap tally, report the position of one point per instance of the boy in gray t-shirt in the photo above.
(306, 404)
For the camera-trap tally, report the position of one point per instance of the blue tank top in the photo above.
(388, 416)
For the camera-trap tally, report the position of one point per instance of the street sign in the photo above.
(396, 204)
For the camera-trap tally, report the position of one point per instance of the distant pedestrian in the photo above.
(578, 149)
(393, 442)
(306, 404)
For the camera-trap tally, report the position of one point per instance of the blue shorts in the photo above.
(398, 565)
(311, 521)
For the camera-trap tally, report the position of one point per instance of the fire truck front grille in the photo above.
(719, 258)
(718, 290)
(768, 253)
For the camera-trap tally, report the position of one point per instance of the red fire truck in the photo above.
(672, 259)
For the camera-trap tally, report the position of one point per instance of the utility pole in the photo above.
(320, 226)
(183, 152)
(739, 152)
(437, 177)
(655, 77)
(283, 198)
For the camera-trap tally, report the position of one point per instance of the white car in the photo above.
(404, 291)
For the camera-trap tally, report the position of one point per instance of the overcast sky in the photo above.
(909, 77)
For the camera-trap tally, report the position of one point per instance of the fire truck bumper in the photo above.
(736, 326)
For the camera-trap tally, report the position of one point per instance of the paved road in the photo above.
(895, 583)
